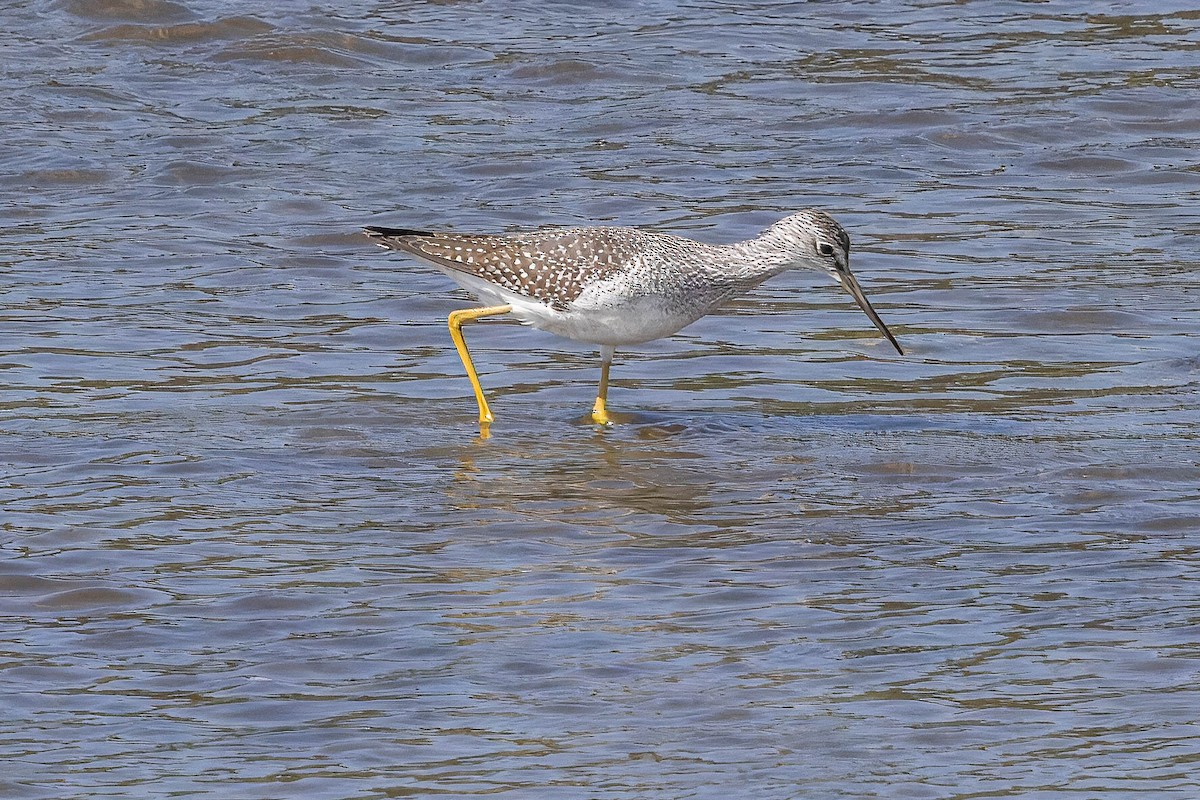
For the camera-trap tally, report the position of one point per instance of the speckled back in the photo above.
(553, 266)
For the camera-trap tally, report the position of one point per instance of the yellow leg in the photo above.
(599, 410)
(457, 318)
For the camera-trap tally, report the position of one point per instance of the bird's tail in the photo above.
(392, 237)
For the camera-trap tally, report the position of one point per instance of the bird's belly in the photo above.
(632, 323)
(618, 313)
(604, 314)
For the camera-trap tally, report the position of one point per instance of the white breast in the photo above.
(602, 314)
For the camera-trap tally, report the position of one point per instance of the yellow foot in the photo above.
(600, 414)
(485, 420)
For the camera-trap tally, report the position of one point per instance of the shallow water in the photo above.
(254, 547)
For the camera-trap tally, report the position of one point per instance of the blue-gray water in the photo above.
(253, 547)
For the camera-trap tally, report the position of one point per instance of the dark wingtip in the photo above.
(376, 232)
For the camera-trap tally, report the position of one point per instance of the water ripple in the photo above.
(253, 543)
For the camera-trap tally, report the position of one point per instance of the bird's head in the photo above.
(814, 240)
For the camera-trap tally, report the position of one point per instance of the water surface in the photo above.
(253, 546)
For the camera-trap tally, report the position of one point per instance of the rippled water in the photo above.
(253, 547)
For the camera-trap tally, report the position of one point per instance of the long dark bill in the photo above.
(850, 284)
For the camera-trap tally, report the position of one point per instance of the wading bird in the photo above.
(618, 286)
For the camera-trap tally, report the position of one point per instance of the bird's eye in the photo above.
(825, 249)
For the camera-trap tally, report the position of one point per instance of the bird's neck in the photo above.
(753, 261)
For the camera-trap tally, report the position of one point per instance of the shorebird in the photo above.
(619, 286)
